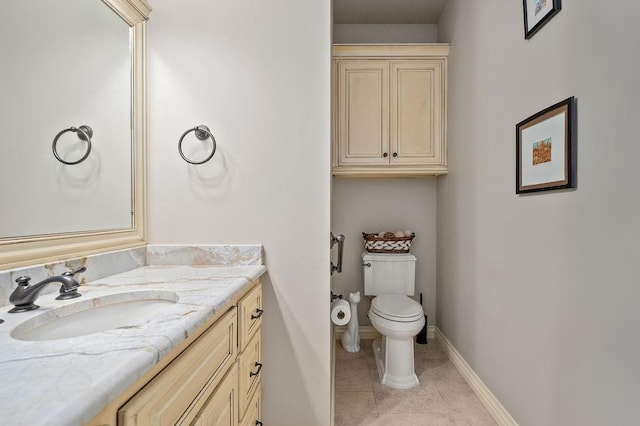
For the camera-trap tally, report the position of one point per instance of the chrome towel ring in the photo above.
(84, 133)
(202, 132)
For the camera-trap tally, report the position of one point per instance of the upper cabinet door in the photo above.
(389, 110)
(362, 112)
(416, 121)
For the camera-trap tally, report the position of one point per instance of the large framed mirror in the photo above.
(72, 128)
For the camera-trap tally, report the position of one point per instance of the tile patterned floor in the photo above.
(442, 398)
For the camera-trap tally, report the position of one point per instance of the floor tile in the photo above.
(354, 408)
(431, 350)
(352, 375)
(426, 419)
(424, 398)
(365, 351)
(465, 407)
(442, 398)
(439, 371)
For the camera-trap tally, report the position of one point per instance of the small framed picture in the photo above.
(537, 13)
(546, 149)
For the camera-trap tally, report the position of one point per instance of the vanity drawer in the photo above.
(250, 363)
(254, 410)
(202, 365)
(221, 408)
(250, 315)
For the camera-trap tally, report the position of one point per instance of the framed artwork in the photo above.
(546, 149)
(537, 13)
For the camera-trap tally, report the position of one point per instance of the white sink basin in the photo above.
(126, 309)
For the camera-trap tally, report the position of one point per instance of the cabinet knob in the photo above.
(385, 155)
(395, 154)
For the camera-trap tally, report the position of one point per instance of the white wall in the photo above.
(385, 33)
(258, 74)
(373, 205)
(64, 63)
(540, 293)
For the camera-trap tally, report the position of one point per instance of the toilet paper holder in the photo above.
(340, 311)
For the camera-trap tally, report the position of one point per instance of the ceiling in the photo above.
(387, 11)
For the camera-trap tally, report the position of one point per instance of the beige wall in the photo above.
(385, 33)
(257, 73)
(540, 293)
(373, 205)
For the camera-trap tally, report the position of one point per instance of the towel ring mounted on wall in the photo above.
(202, 132)
(84, 133)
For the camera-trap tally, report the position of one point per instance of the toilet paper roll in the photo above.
(340, 312)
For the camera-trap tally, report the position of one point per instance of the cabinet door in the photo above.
(173, 395)
(416, 116)
(362, 112)
(250, 367)
(254, 411)
(249, 316)
(221, 409)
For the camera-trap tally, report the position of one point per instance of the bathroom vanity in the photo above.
(208, 380)
(190, 352)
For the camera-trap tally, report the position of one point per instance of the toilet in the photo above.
(391, 279)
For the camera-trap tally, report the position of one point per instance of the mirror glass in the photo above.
(65, 64)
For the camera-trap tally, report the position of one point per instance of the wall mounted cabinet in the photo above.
(389, 110)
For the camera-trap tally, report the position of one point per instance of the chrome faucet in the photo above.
(24, 296)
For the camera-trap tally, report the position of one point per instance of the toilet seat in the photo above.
(397, 308)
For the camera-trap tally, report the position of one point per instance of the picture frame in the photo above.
(546, 149)
(537, 13)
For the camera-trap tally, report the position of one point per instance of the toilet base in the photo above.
(394, 360)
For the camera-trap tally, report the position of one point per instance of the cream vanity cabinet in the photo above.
(250, 357)
(212, 380)
(389, 110)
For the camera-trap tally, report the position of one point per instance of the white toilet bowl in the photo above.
(399, 319)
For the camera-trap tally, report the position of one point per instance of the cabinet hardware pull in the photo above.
(258, 423)
(395, 154)
(257, 364)
(385, 155)
(368, 265)
(258, 314)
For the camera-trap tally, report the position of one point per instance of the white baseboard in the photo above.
(369, 333)
(495, 408)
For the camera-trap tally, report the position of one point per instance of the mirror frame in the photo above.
(17, 252)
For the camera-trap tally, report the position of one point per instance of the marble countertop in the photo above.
(68, 381)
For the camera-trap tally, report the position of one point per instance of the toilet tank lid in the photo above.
(388, 257)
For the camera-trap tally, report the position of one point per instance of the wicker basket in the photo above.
(387, 244)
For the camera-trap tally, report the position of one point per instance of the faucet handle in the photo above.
(23, 280)
(70, 292)
(77, 271)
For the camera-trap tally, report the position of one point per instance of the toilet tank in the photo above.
(389, 273)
